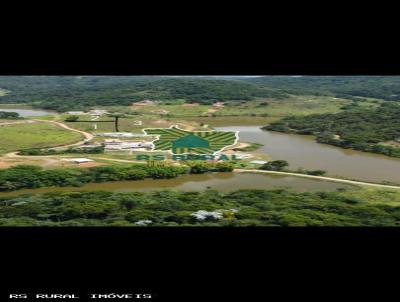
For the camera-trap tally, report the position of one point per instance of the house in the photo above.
(145, 102)
(219, 104)
(98, 112)
(79, 160)
(258, 162)
(112, 145)
(76, 113)
(118, 134)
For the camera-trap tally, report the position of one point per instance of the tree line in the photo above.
(32, 177)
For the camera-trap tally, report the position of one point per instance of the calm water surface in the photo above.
(27, 112)
(224, 182)
(304, 151)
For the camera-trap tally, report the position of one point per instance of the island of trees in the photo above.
(31, 177)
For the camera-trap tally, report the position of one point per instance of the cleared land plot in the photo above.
(296, 105)
(175, 110)
(37, 135)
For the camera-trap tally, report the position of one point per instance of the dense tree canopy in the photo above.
(381, 87)
(8, 115)
(169, 208)
(66, 93)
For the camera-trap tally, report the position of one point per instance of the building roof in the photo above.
(79, 160)
(259, 162)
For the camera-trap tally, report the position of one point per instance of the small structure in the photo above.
(120, 134)
(76, 113)
(115, 145)
(145, 103)
(243, 155)
(203, 215)
(259, 162)
(98, 112)
(219, 104)
(143, 222)
(79, 160)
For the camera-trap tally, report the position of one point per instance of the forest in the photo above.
(67, 93)
(372, 130)
(8, 115)
(31, 177)
(279, 207)
(380, 87)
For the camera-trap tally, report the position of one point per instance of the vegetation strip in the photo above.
(319, 177)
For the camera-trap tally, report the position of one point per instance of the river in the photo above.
(304, 151)
(223, 182)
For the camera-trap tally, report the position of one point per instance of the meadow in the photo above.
(36, 135)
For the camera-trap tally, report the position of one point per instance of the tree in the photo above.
(116, 117)
(9, 115)
(276, 165)
(72, 118)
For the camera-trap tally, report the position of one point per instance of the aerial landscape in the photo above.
(194, 151)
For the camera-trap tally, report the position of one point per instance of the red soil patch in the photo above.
(4, 165)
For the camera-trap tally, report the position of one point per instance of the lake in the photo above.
(304, 151)
(223, 182)
(27, 112)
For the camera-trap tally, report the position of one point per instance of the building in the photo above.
(98, 112)
(113, 145)
(120, 134)
(145, 102)
(76, 113)
(258, 162)
(79, 160)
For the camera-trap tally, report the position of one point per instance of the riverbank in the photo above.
(353, 182)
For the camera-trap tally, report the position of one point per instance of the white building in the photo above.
(119, 134)
(79, 160)
(258, 162)
(98, 112)
(76, 113)
(120, 145)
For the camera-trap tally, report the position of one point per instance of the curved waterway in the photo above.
(223, 182)
(304, 151)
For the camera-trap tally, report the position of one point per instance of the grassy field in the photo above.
(133, 124)
(37, 135)
(295, 105)
(173, 110)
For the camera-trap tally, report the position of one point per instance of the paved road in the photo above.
(354, 182)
